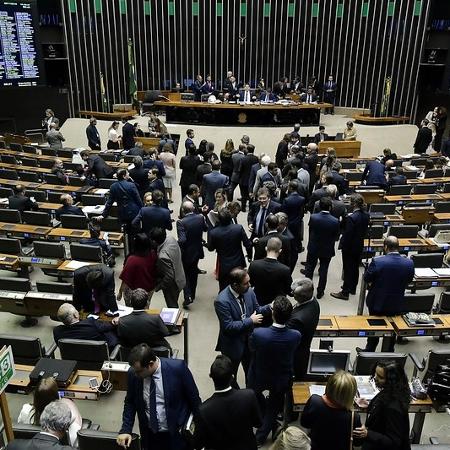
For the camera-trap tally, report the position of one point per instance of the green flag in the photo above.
(103, 94)
(132, 86)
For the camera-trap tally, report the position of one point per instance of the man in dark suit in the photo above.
(67, 207)
(238, 312)
(96, 165)
(388, 276)
(252, 177)
(259, 211)
(92, 134)
(445, 147)
(151, 161)
(154, 216)
(423, 138)
(247, 163)
(374, 174)
(268, 276)
(282, 151)
(128, 133)
(323, 234)
(94, 289)
(338, 179)
(338, 208)
(293, 206)
(227, 239)
(88, 329)
(190, 238)
(193, 196)
(208, 86)
(268, 96)
(197, 88)
(352, 244)
(236, 159)
(399, 178)
(139, 175)
(20, 201)
(188, 165)
(311, 161)
(329, 93)
(141, 327)
(326, 179)
(137, 150)
(271, 367)
(215, 427)
(189, 140)
(309, 96)
(211, 182)
(304, 318)
(284, 232)
(54, 421)
(162, 392)
(321, 135)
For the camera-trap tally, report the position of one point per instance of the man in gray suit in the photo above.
(54, 137)
(236, 174)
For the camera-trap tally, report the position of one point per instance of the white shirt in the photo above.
(247, 97)
(160, 399)
(113, 135)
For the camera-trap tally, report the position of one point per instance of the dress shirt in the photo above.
(240, 301)
(113, 136)
(221, 391)
(160, 400)
(247, 98)
(278, 325)
(260, 219)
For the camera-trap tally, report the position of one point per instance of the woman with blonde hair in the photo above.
(226, 166)
(292, 438)
(330, 417)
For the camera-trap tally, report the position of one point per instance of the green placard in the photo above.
(391, 9)
(365, 9)
(418, 8)
(123, 6)
(195, 8)
(315, 10)
(6, 367)
(267, 9)
(98, 6)
(147, 8)
(219, 9)
(171, 8)
(340, 10)
(243, 9)
(291, 10)
(72, 6)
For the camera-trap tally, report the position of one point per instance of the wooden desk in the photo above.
(445, 195)
(405, 244)
(108, 115)
(9, 262)
(440, 180)
(39, 304)
(148, 142)
(21, 168)
(64, 267)
(344, 149)
(441, 217)
(49, 207)
(419, 215)
(442, 327)
(27, 184)
(388, 219)
(19, 229)
(401, 199)
(389, 120)
(371, 195)
(68, 234)
(327, 327)
(64, 188)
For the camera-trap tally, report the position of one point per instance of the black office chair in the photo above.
(9, 159)
(160, 351)
(51, 178)
(49, 152)
(30, 162)
(111, 224)
(29, 149)
(9, 174)
(418, 161)
(65, 153)
(434, 173)
(13, 247)
(83, 252)
(39, 196)
(76, 181)
(54, 287)
(89, 355)
(68, 165)
(425, 260)
(106, 440)
(375, 232)
(429, 364)
(10, 216)
(425, 188)
(410, 174)
(108, 157)
(128, 159)
(348, 164)
(37, 218)
(105, 183)
(31, 177)
(442, 207)
(5, 192)
(386, 208)
(400, 189)
(418, 303)
(92, 200)
(54, 197)
(55, 250)
(15, 284)
(404, 231)
(26, 349)
(366, 361)
(353, 176)
(46, 163)
(15, 146)
(73, 221)
(446, 188)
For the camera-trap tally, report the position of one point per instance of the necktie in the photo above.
(262, 220)
(152, 407)
(242, 304)
(267, 98)
(96, 303)
(309, 99)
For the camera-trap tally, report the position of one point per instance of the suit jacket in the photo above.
(374, 174)
(285, 255)
(318, 138)
(304, 318)
(234, 330)
(153, 216)
(22, 203)
(281, 154)
(226, 420)
(211, 182)
(338, 210)
(423, 140)
(140, 178)
(136, 151)
(389, 276)
(252, 176)
(139, 326)
(71, 210)
(445, 147)
(105, 295)
(269, 279)
(227, 241)
(315, 196)
(181, 398)
(93, 137)
(190, 237)
(355, 230)
(323, 233)
(150, 163)
(236, 158)
(39, 441)
(169, 264)
(128, 200)
(304, 97)
(293, 206)
(398, 180)
(187, 144)
(208, 88)
(272, 208)
(271, 97)
(197, 89)
(128, 136)
(188, 165)
(89, 329)
(273, 352)
(55, 139)
(247, 163)
(340, 182)
(98, 167)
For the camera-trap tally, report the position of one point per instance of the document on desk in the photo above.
(444, 272)
(366, 387)
(318, 389)
(425, 273)
(101, 191)
(98, 209)
(124, 310)
(77, 264)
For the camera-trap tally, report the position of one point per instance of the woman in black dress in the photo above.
(387, 424)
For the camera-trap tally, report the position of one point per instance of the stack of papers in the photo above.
(169, 315)
(77, 264)
(445, 272)
(124, 310)
(425, 273)
(366, 387)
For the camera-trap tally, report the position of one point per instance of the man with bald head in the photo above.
(388, 276)
(304, 318)
(311, 160)
(190, 238)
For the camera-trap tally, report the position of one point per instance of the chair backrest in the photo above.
(418, 303)
(76, 181)
(410, 174)
(446, 188)
(425, 188)
(418, 161)
(89, 355)
(443, 306)
(128, 158)
(32, 177)
(15, 146)
(105, 183)
(404, 231)
(39, 196)
(435, 358)
(353, 176)
(5, 192)
(29, 149)
(48, 151)
(9, 174)
(73, 221)
(15, 284)
(375, 232)
(25, 431)
(54, 197)
(400, 189)
(424, 260)
(435, 227)
(10, 246)
(65, 153)
(386, 208)
(348, 164)
(442, 207)
(434, 173)
(69, 165)
(26, 349)
(30, 162)
(108, 156)
(83, 252)
(49, 249)
(366, 361)
(2, 144)
(51, 178)
(37, 218)
(9, 159)
(92, 200)
(89, 439)
(11, 216)
(111, 224)
(55, 287)
(46, 163)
